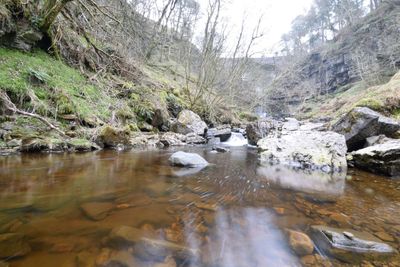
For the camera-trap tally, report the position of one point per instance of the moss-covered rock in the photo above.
(112, 137)
(82, 145)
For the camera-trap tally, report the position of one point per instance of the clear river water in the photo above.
(234, 213)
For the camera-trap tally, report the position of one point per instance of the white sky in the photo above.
(277, 18)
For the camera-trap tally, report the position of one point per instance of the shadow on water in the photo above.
(234, 213)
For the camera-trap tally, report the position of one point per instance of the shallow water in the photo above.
(234, 213)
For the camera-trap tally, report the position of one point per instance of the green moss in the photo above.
(370, 103)
(133, 127)
(141, 106)
(64, 105)
(247, 116)
(80, 144)
(60, 87)
(125, 113)
(396, 113)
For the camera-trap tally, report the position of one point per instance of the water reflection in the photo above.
(234, 212)
(312, 182)
(180, 172)
(248, 237)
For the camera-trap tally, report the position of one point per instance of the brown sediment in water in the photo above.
(234, 213)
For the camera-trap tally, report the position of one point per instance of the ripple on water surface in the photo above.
(68, 210)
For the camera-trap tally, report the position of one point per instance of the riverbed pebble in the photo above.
(97, 210)
(300, 243)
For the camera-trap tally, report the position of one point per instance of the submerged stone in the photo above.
(168, 262)
(191, 160)
(126, 235)
(122, 259)
(85, 259)
(158, 249)
(300, 243)
(350, 246)
(13, 245)
(97, 210)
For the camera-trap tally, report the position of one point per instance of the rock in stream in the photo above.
(305, 149)
(190, 160)
(350, 246)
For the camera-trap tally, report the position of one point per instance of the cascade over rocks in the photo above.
(188, 122)
(361, 123)
(223, 132)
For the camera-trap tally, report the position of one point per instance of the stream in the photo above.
(234, 212)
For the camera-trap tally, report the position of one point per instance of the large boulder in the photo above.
(188, 122)
(223, 132)
(260, 129)
(350, 246)
(161, 120)
(291, 124)
(191, 160)
(305, 149)
(382, 157)
(361, 123)
(112, 137)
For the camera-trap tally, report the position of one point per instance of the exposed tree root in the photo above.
(8, 104)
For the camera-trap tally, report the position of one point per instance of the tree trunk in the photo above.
(50, 12)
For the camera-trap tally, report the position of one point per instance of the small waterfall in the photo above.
(236, 139)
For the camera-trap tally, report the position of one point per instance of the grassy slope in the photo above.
(41, 84)
(382, 98)
(56, 90)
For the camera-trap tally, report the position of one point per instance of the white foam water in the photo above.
(236, 139)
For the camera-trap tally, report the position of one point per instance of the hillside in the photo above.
(135, 74)
(360, 56)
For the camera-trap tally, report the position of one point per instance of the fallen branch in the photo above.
(11, 106)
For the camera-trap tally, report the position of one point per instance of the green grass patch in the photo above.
(60, 88)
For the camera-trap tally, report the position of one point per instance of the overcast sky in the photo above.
(277, 17)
